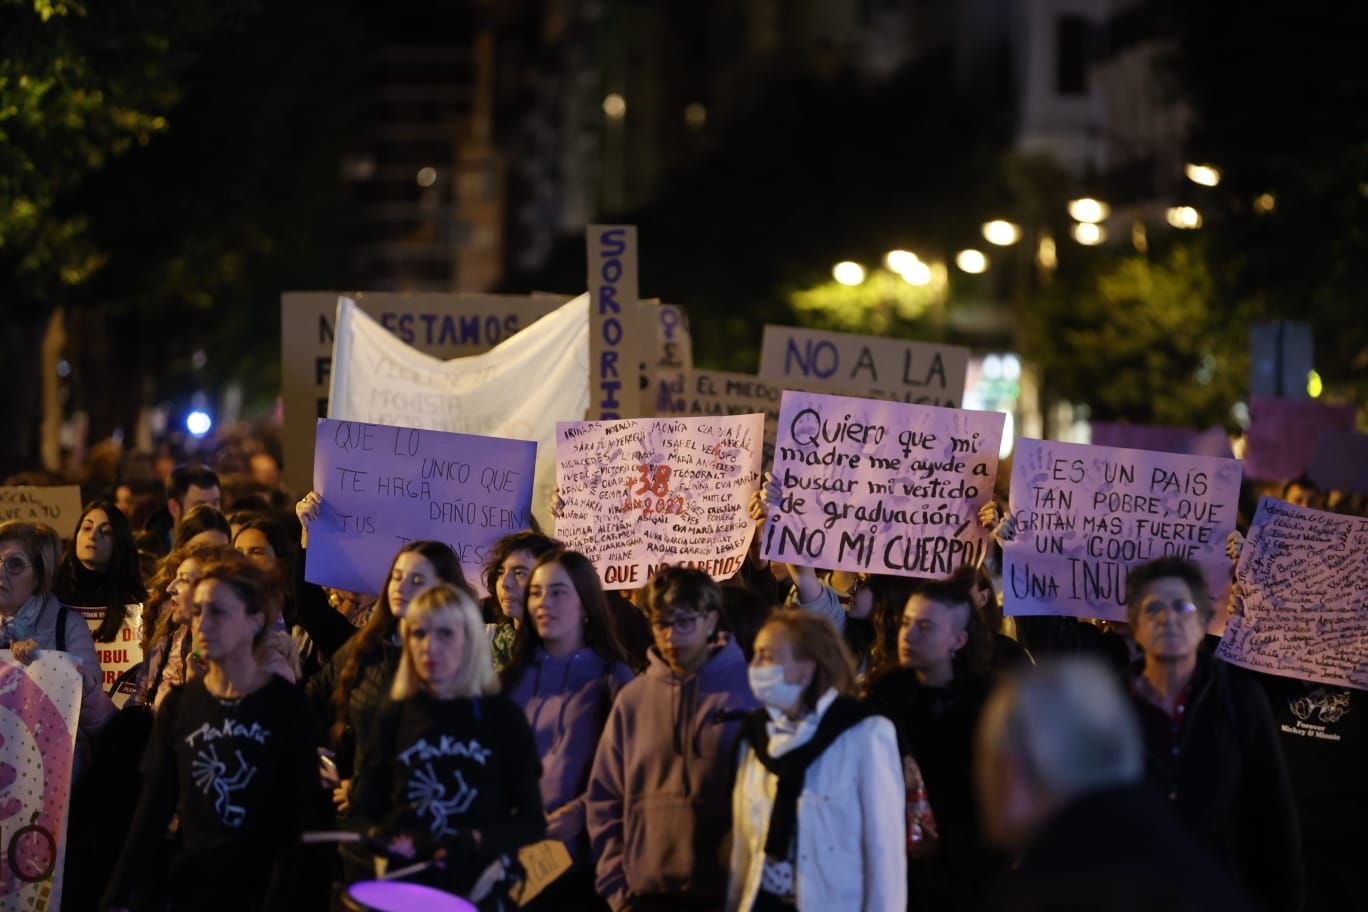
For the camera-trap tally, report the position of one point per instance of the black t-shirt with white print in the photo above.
(240, 776)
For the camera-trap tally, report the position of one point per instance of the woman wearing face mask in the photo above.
(100, 568)
(817, 809)
(232, 758)
(351, 688)
(565, 672)
(506, 577)
(450, 764)
(658, 801)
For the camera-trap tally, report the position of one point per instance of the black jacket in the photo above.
(1227, 782)
(369, 693)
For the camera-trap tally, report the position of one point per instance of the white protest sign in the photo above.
(925, 373)
(58, 506)
(1086, 514)
(519, 390)
(883, 487)
(39, 707)
(1302, 583)
(122, 655)
(644, 492)
(385, 486)
(441, 324)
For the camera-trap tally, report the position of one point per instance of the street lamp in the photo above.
(1184, 217)
(1001, 232)
(971, 261)
(1089, 210)
(1203, 175)
(848, 273)
(900, 261)
(1088, 234)
(615, 106)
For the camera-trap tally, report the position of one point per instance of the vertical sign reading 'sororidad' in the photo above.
(614, 349)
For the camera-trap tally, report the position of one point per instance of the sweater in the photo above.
(659, 798)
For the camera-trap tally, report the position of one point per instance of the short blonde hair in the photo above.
(444, 602)
(41, 544)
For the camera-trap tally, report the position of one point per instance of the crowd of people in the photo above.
(790, 738)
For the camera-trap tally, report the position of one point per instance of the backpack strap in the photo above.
(62, 612)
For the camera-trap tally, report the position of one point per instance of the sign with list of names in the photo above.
(882, 487)
(640, 493)
(1302, 597)
(1086, 514)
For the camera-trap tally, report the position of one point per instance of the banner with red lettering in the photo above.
(120, 657)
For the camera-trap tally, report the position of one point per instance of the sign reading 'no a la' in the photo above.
(924, 373)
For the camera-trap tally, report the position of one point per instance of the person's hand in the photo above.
(341, 796)
(402, 846)
(1234, 545)
(25, 651)
(195, 665)
(768, 493)
(488, 879)
(557, 503)
(988, 514)
(1006, 530)
(307, 510)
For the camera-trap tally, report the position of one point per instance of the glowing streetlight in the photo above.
(198, 423)
(696, 116)
(1265, 203)
(427, 176)
(615, 106)
(1089, 210)
(900, 261)
(1184, 217)
(1047, 257)
(917, 273)
(1088, 234)
(848, 273)
(1314, 385)
(1001, 232)
(971, 261)
(1205, 175)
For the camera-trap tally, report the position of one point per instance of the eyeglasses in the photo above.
(15, 565)
(682, 624)
(1155, 607)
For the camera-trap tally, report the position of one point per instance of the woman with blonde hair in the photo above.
(450, 763)
(817, 810)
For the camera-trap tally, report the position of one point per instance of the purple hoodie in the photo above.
(659, 799)
(566, 705)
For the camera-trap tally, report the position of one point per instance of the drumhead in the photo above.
(397, 896)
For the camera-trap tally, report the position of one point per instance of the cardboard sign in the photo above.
(385, 486)
(542, 863)
(1086, 514)
(924, 373)
(1340, 461)
(1163, 439)
(614, 343)
(1302, 606)
(667, 349)
(39, 707)
(641, 493)
(883, 487)
(440, 324)
(121, 656)
(1282, 434)
(58, 506)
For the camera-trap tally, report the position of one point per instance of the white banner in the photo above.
(519, 389)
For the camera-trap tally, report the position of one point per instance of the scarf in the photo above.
(22, 624)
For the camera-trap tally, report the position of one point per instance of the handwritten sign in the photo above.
(58, 506)
(1340, 461)
(383, 486)
(666, 352)
(883, 487)
(1282, 434)
(1086, 514)
(640, 493)
(39, 706)
(1303, 606)
(614, 344)
(542, 863)
(441, 324)
(920, 372)
(1162, 438)
(121, 656)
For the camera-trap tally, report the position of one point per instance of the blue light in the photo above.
(198, 423)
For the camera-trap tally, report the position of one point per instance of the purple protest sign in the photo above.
(882, 487)
(1163, 438)
(383, 486)
(1086, 514)
(1282, 434)
(1340, 462)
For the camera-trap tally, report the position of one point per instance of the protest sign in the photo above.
(614, 343)
(1282, 434)
(883, 487)
(1164, 439)
(39, 707)
(383, 486)
(58, 506)
(520, 389)
(542, 863)
(123, 654)
(441, 324)
(1340, 461)
(920, 372)
(1302, 606)
(667, 350)
(644, 492)
(1086, 514)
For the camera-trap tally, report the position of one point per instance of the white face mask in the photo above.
(768, 684)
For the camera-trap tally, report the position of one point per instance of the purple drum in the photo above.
(397, 896)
